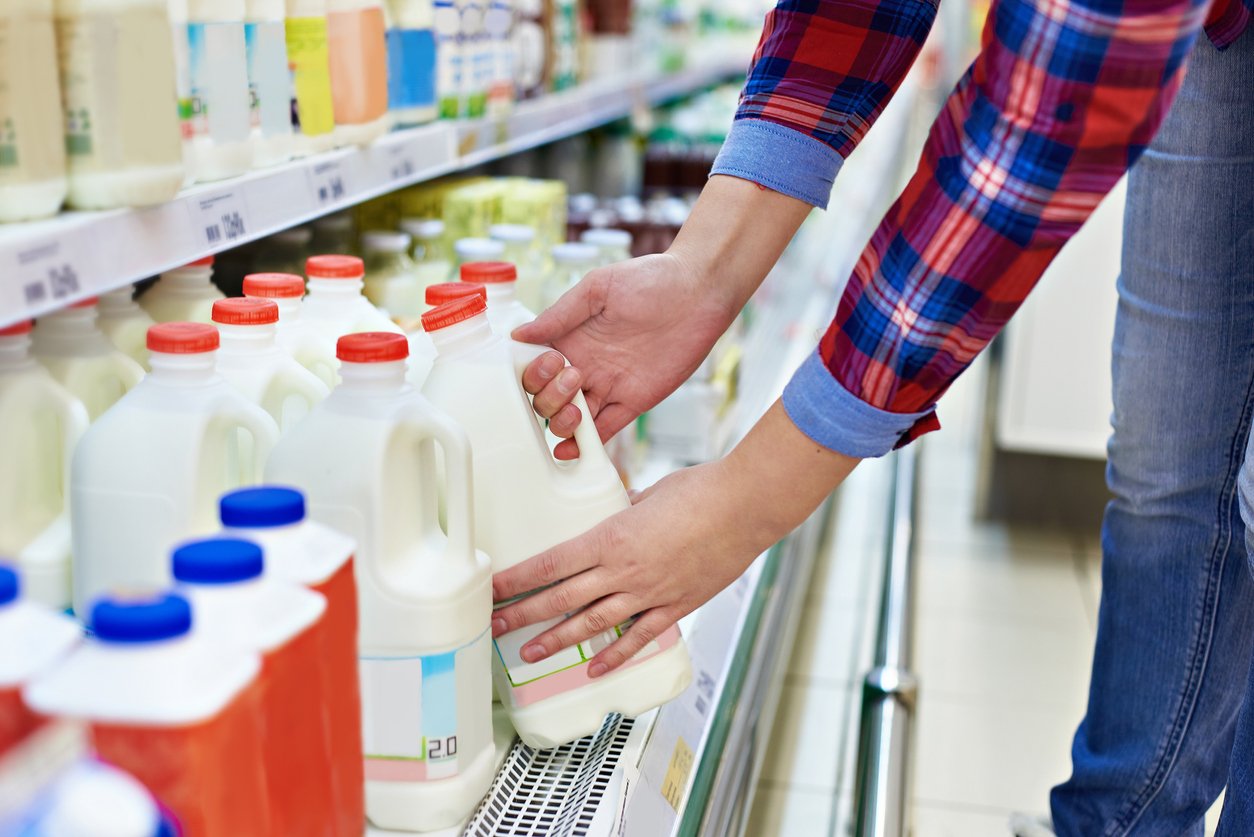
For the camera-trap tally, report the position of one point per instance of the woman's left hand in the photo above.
(658, 560)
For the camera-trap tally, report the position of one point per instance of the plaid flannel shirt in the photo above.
(1062, 98)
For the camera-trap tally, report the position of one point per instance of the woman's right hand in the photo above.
(632, 332)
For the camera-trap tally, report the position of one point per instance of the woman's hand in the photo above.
(681, 542)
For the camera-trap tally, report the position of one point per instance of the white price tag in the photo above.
(401, 163)
(222, 217)
(46, 274)
(329, 182)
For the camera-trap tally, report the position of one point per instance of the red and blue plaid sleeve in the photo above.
(822, 73)
(1063, 98)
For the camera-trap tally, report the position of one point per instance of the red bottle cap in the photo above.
(489, 272)
(243, 310)
(449, 291)
(86, 303)
(207, 261)
(16, 329)
(274, 285)
(182, 338)
(372, 347)
(451, 313)
(335, 267)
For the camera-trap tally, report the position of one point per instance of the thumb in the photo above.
(575, 307)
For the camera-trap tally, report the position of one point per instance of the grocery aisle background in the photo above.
(1005, 618)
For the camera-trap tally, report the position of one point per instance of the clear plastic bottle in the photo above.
(71, 346)
(391, 275)
(613, 245)
(121, 110)
(412, 62)
(430, 253)
(522, 251)
(185, 294)
(475, 250)
(357, 37)
(571, 262)
(308, 56)
(269, 82)
(32, 163)
(311, 348)
(125, 323)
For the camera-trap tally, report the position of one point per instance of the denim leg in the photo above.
(1176, 626)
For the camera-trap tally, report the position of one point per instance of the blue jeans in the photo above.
(1167, 724)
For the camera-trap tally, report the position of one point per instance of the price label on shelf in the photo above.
(401, 162)
(329, 182)
(221, 217)
(47, 275)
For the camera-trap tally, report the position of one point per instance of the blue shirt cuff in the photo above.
(837, 419)
(779, 158)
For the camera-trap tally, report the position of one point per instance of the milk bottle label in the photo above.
(449, 58)
(218, 73)
(411, 727)
(309, 58)
(411, 68)
(268, 80)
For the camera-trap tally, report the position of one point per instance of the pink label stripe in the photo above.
(396, 770)
(576, 676)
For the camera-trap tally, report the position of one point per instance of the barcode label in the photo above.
(223, 217)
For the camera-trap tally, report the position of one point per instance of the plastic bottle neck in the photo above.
(388, 376)
(188, 282)
(335, 289)
(289, 309)
(183, 370)
(501, 293)
(246, 339)
(15, 353)
(70, 322)
(118, 303)
(464, 335)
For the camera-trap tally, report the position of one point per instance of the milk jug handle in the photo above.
(264, 431)
(74, 423)
(292, 379)
(129, 372)
(592, 455)
(452, 439)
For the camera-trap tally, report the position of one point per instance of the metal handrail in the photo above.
(890, 689)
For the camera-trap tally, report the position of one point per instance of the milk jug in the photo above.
(32, 162)
(80, 357)
(429, 252)
(33, 638)
(269, 82)
(357, 40)
(475, 250)
(125, 323)
(302, 551)
(176, 710)
(236, 606)
(391, 276)
(214, 99)
(335, 305)
(421, 349)
(185, 294)
(313, 114)
(526, 502)
(40, 424)
(524, 252)
(149, 471)
(250, 359)
(366, 460)
(500, 279)
(298, 337)
(122, 137)
(571, 262)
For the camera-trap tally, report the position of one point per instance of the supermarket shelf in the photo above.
(45, 265)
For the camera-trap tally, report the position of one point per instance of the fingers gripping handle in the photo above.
(458, 476)
(591, 451)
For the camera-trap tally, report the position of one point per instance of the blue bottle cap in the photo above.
(217, 561)
(261, 508)
(10, 586)
(122, 620)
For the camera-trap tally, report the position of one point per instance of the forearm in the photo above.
(734, 235)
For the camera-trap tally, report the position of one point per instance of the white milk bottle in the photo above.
(40, 424)
(81, 358)
(303, 551)
(308, 345)
(149, 471)
(523, 251)
(33, 638)
(429, 251)
(269, 82)
(500, 279)
(336, 305)
(421, 349)
(313, 114)
(391, 275)
(235, 605)
(215, 111)
(121, 109)
(32, 162)
(185, 294)
(612, 245)
(250, 359)
(475, 250)
(125, 323)
(357, 41)
(526, 502)
(366, 460)
(175, 709)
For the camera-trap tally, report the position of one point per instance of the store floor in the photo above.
(1004, 626)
